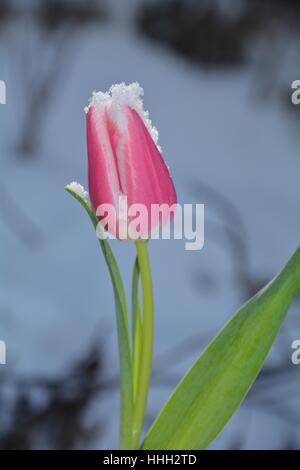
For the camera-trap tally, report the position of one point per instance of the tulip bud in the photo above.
(125, 162)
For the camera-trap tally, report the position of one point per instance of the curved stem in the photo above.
(125, 353)
(147, 341)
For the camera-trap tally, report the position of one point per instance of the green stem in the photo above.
(147, 343)
(125, 354)
(136, 327)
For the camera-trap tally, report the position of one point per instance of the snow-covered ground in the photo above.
(56, 298)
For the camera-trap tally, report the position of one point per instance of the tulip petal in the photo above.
(124, 160)
(104, 186)
(147, 178)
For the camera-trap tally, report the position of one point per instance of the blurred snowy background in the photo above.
(217, 77)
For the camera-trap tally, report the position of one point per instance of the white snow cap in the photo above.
(79, 190)
(120, 95)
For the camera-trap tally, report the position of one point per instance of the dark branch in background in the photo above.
(65, 401)
(53, 14)
(51, 415)
(57, 22)
(42, 91)
(5, 11)
(198, 30)
(211, 35)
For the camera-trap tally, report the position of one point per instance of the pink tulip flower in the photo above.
(124, 160)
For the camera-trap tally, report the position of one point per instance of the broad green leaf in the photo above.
(214, 387)
(125, 360)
